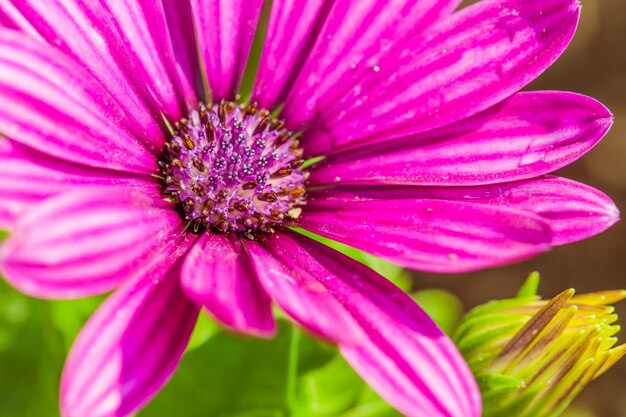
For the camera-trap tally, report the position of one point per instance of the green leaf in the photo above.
(329, 390)
(371, 405)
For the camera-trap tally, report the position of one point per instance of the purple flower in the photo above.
(114, 177)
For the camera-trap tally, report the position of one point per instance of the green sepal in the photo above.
(530, 286)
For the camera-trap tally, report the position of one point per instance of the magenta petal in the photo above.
(328, 44)
(88, 241)
(388, 339)
(352, 42)
(461, 66)
(28, 177)
(526, 136)
(216, 274)
(156, 50)
(188, 71)
(225, 30)
(573, 211)
(7, 216)
(11, 18)
(431, 235)
(124, 44)
(49, 104)
(291, 31)
(129, 348)
(303, 298)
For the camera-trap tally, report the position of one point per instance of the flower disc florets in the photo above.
(233, 168)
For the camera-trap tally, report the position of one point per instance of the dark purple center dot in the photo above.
(233, 168)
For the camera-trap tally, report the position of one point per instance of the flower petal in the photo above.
(127, 45)
(573, 211)
(460, 67)
(293, 28)
(225, 31)
(395, 346)
(49, 104)
(303, 299)
(189, 75)
(158, 50)
(430, 234)
(28, 177)
(11, 18)
(325, 44)
(129, 348)
(88, 241)
(526, 136)
(217, 275)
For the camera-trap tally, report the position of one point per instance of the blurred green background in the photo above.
(226, 376)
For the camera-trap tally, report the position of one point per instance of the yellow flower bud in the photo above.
(531, 357)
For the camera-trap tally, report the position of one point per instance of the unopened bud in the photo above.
(531, 357)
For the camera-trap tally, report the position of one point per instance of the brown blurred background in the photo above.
(594, 64)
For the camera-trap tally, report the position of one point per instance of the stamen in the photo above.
(233, 168)
(221, 112)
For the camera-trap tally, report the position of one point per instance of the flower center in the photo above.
(233, 168)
